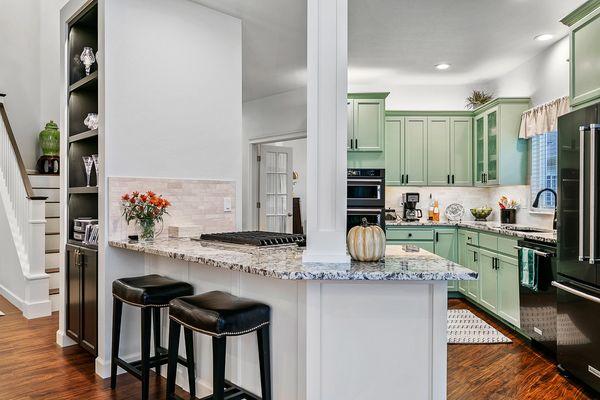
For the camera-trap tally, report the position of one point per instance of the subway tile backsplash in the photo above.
(194, 203)
(470, 197)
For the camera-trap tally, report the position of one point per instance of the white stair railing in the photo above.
(26, 216)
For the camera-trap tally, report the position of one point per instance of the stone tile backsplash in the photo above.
(194, 203)
(470, 197)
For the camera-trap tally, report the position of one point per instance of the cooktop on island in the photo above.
(255, 238)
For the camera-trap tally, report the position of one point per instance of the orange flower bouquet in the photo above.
(146, 209)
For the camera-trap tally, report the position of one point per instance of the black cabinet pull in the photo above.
(407, 178)
(351, 143)
(402, 178)
(410, 235)
(475, 256)
(437, 236)
(448, 179)
(453, 179)
(356, 144)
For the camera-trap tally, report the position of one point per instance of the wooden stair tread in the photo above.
(53, 292)
(52, 270)
(52, 251)
(52, 233)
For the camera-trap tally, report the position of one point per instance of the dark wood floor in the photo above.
(32, 366)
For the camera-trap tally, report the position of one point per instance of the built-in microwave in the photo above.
(366, 188)
(375, 216)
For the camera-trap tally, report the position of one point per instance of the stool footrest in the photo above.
(232, 392)
(162, 358)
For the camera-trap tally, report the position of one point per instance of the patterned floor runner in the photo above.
(464, 327)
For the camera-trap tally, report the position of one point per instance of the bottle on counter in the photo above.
(436, 211)
(430, 209)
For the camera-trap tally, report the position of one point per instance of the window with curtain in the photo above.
(544, 167)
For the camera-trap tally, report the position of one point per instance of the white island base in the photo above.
(330, 340)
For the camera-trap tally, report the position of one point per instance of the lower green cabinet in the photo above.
(461, 258)
(428, 246)
(472, 260)
(445, 245)
(488, 277)
(508, 289)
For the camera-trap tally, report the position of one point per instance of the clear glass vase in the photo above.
(146, 230)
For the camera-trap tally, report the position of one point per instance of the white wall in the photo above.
(173, 108)
(20, 71)
(545, 77)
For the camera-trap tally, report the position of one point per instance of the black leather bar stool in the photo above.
(150, 293)
(220, 314)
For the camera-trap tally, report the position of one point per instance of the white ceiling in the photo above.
(396, 41)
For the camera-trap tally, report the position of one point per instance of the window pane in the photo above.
(544, 167)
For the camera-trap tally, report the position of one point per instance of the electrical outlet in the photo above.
(227, 204)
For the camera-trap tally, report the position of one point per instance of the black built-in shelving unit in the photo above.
(81, 292)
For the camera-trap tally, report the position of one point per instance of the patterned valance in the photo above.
(543, 118)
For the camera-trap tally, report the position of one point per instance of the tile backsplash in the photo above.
(470, 197)
(194, 203)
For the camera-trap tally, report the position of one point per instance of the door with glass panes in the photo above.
(275, 189)
(486, 148)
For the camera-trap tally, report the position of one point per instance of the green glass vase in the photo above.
(50, 139)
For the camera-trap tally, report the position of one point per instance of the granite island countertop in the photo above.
(547, 236)
(402, 263)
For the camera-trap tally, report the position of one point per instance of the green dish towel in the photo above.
(529, 269)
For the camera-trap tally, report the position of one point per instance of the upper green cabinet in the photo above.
(461, 151)
(366, 130)
(585, 53)
(405, 150)
(500, 156)
(438, 151)
(449, 151)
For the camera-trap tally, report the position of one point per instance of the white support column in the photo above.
(327, 65)
(37, 238)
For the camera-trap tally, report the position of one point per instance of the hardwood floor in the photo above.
(505, 371)
(32, 367)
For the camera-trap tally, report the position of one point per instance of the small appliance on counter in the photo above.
(410, 211)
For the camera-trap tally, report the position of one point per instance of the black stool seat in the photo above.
(150, 290)
(219, 313)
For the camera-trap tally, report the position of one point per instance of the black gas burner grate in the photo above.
(256, 238)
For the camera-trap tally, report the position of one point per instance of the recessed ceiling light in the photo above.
(543, 37)
(442, 66)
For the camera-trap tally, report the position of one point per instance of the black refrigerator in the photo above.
(578, 277)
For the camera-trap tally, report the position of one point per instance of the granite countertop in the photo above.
(547, 236)
(402, 263)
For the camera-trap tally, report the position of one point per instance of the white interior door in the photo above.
(275, 192)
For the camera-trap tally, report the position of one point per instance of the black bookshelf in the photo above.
(81, 292)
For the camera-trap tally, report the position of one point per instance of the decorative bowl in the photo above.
(481, 213)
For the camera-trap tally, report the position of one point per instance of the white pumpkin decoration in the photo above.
(366, 242)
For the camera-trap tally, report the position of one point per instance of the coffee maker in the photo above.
(409, 204)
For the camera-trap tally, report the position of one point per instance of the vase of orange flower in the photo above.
(146, 210)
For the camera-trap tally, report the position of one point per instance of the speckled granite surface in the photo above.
(494, 227)
(402, 263)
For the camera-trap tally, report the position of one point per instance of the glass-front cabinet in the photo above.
(486, 148)
(479, 149)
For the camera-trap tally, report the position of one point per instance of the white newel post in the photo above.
(36, 292)
(327, 67)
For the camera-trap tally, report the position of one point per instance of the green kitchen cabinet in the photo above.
(428, 246)
(584, 68)
(488, 296)
(461, 151)
(508, 289)
(472, 259)
(415, 151)
(350, 116)
(500, 156)
(366, 130)
(446, 246)
(462, 259)
(394, 144)
(438, 151)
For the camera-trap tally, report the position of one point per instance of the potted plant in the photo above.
(478, 98)
(146, 210)
(508, 210)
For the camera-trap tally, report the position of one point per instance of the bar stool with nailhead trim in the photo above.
(151, 293)
(220, 314)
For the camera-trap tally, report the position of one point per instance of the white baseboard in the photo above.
(30, 310)
(63, 340)
(11, 297)
(103, 366)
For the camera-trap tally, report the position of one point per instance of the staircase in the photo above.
(23, 280)
(49, 186)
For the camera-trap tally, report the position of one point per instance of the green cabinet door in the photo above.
(473, 287)
(428, 246)
(584, 65)
(438, 151)
(479, 149)
(445, 245)
(394, 134)
(508, 289)
(462, 258)
(461, 159)
(415, 151)
(491, 126)
(488, 280)
(350, 136)
(369, 124)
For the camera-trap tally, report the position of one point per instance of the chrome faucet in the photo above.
(536, 203)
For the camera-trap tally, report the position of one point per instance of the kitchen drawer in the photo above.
(409, 234)
(428, 246)
(472, 238)
(507, 246)
(488, 241)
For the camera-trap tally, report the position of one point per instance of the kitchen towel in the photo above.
(528, 268)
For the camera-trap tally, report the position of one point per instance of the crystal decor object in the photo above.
(88, 59)
(91, 121)
(96, 161)
(88, 162)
